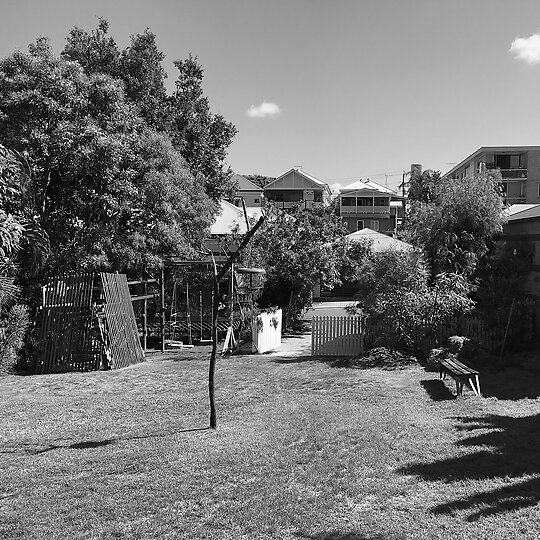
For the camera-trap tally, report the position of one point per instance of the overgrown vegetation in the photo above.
(298, 249)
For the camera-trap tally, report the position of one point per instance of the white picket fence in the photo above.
(337, 336)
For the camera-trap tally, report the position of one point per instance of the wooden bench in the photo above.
(461, 374)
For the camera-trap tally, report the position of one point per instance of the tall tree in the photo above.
(201, 136)
(459, 224)
(96, 51)
(111, 192)
(144, 77)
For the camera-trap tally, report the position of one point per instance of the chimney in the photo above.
(416, 168)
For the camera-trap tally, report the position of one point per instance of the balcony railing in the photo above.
(519, 173)
(293, 204)
(375, 210)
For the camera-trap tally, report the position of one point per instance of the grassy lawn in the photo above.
(303, 450)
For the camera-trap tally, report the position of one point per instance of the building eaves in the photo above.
(483, 149)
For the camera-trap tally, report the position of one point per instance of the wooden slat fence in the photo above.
(123, 337)
(472, 326)
(337, 336)
(67, 340)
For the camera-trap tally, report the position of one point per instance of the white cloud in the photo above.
(527, 49)
(265, 110)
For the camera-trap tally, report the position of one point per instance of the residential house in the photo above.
(519, 166)
(249, 191)
(297, 187)
(366, 204)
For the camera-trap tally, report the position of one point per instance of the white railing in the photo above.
(337, 336)
(378, 210)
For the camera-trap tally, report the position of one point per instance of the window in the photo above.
(359, 224)
(365, 201)
(374, 224)
(348, 201)
(382, 201)
(256, 200)
(510, 161)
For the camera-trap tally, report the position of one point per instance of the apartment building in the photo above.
(519, 166)
(366, 204)
(297, 187)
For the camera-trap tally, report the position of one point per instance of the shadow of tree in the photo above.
(337, 535)
(437, 390)
(510, 384)
(35, 449)
(514, 453)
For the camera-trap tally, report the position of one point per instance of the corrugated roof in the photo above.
(381, 241)
(368, 184)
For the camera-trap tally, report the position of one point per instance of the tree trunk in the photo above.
(212, 368)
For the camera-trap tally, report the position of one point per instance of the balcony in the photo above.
(373, 210)
(516, 174)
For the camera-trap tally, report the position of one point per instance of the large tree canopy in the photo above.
(109, 190)
(455, 221)
(201, 137)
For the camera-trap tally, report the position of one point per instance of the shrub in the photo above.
(402, 306)
(13, 327)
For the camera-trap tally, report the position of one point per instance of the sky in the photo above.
(346, 89)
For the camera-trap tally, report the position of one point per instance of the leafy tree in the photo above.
(456, 222)
(96, 51)
(298, 250)
(17, 232)
(144, 77)
(402, 303)
(111, 193)
(422, 186)
(201, 136)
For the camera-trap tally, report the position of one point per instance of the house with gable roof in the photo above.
(366, 204)
(297, 187)
(249, 191)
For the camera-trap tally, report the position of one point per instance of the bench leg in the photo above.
(473, 388)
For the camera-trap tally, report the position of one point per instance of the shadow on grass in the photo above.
(337, 535)
(28, 448)
(510, 384)
(437, 390)
(514, 454)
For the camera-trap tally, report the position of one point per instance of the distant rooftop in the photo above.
(244, 184)
(381, 242)
(369, 184)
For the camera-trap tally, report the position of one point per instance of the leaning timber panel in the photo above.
(123, 336)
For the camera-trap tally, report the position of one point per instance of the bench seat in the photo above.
(461, 373)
